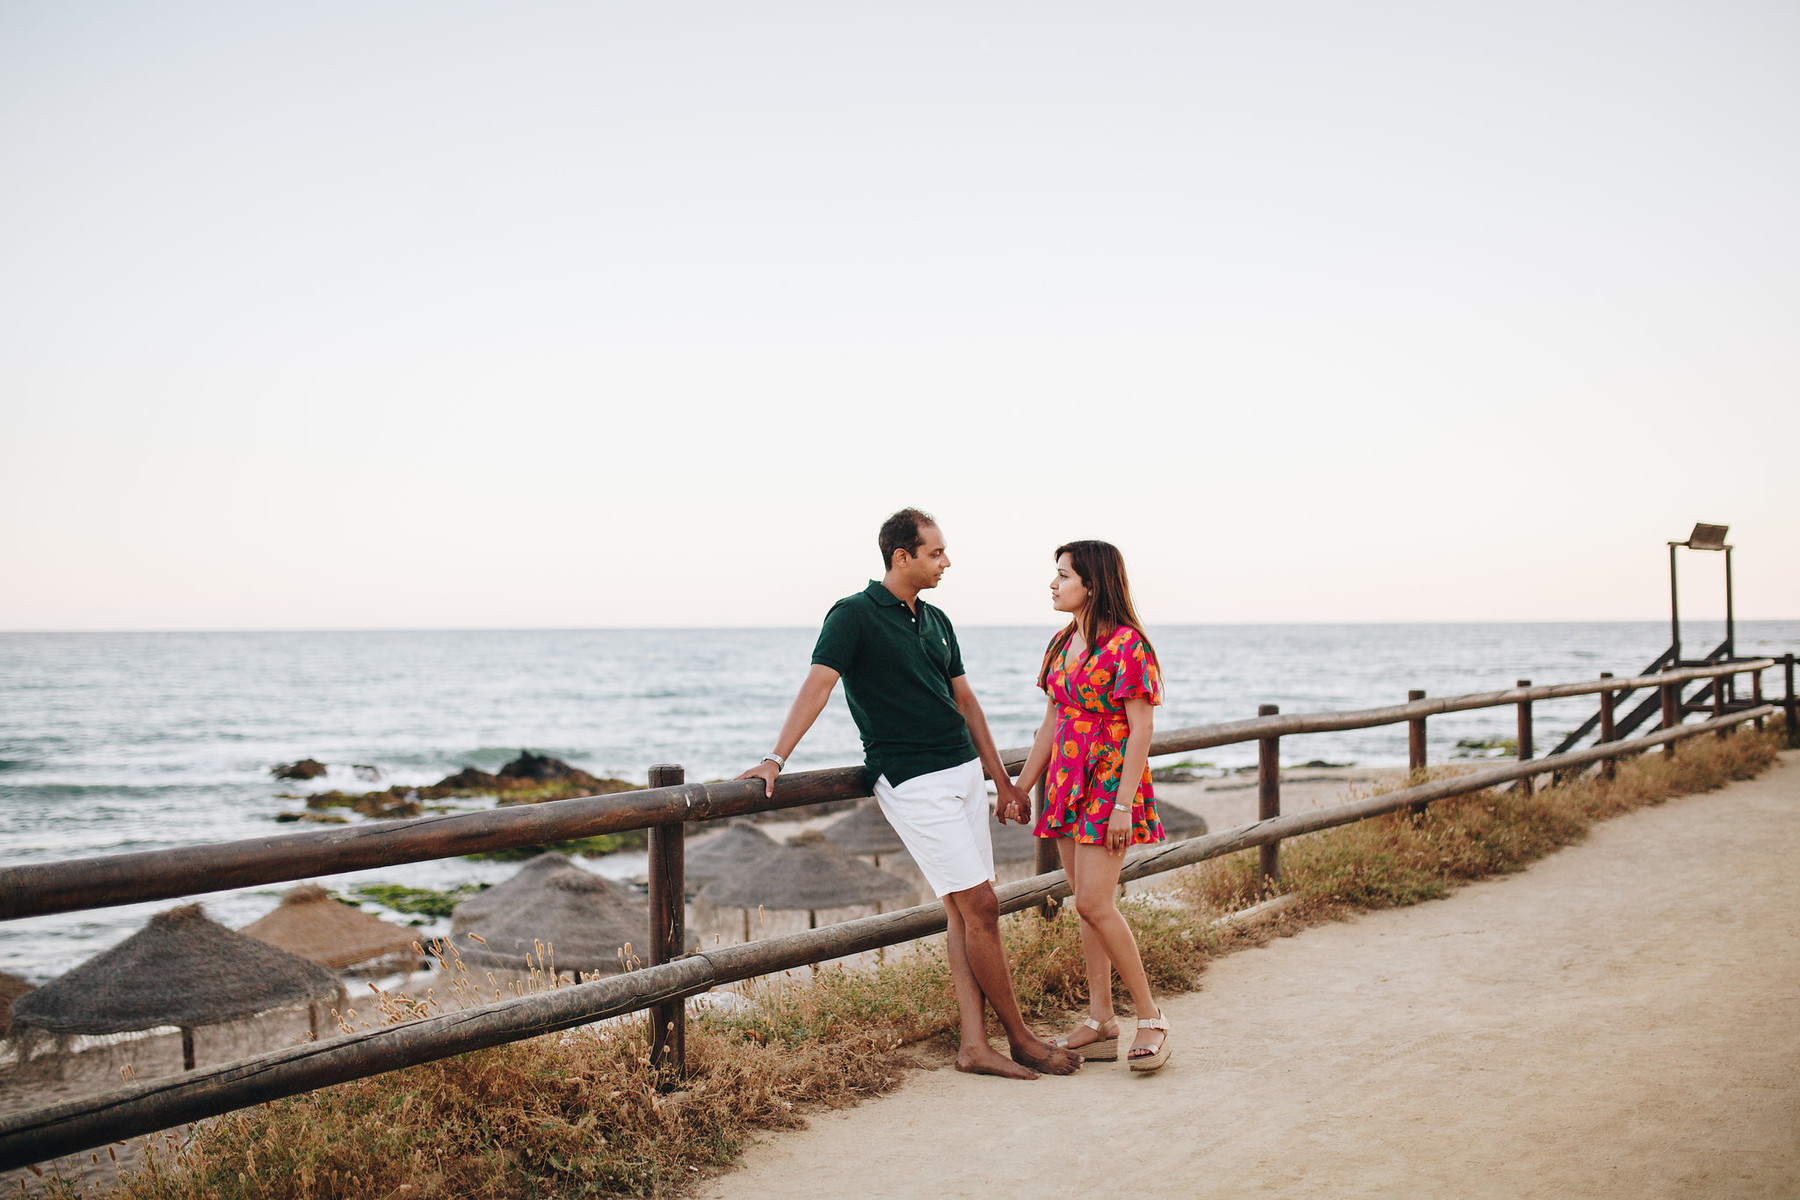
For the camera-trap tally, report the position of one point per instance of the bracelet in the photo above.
(780, 762)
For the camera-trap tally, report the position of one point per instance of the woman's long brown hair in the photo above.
(1102, 571)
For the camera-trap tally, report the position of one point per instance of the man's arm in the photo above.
(1009, 801)
(815, 690)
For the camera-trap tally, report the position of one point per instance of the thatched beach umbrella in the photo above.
(314, 924)
(181, 969)
(11, 988)
(865, 832)
(740, 844)
(584, 920)
(1179, 823)
(808, 875)
(503, 896)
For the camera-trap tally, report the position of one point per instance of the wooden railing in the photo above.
(664, 808)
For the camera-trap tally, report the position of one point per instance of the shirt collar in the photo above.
(877, 591)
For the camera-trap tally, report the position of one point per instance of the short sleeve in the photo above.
(1137, 674)
(955, 669)
(839, 637)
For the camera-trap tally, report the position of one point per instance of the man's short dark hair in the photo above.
(901, 532)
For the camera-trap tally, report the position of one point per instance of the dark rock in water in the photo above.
(365, 772)
(313, 818)
(541, 768)
(1319, 763)
(382, 806)
(473, 779)
(1172, 775)
(306, 768)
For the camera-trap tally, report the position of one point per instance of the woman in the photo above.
(1102, 680)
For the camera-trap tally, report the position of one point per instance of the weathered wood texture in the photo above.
(1045, 850)
(1671, 711)
(1268, 799)
(1608, 732)
(1790, 709)
(668, 928)
(106, 880)
(1415, 736)
(1525, 735)
(39, 1134)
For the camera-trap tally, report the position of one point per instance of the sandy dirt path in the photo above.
(1621, 1020)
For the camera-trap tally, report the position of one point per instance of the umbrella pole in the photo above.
(187, 1048)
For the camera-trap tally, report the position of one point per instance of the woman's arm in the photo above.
(1141, 714)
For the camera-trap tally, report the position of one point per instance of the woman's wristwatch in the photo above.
(780, 762)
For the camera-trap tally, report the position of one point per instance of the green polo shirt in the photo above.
(897, 666)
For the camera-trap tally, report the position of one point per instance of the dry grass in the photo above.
(579, 1113)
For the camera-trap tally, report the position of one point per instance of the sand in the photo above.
(1619, 1020)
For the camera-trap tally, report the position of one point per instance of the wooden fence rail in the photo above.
(38, 888)
(45, 1133)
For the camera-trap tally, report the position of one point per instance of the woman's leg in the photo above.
(1096, 882)
(1093, 951)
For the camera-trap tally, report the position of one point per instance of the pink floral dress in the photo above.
(1088, 754)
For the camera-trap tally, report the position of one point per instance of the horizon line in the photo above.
(1695, 621)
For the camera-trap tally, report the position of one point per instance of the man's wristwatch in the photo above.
(780, 762)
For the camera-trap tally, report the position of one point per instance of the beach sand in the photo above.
(1615, 1021)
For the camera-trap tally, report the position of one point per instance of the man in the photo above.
(926, 744)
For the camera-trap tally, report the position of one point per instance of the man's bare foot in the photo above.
(985, 1060)
(1042, 1056)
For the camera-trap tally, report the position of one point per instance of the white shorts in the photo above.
(943, 819)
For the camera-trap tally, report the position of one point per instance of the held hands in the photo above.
(766, 770)
(1011, 802)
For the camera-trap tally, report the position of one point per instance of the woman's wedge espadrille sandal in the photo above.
(1102, 1049)
(1156, 1058)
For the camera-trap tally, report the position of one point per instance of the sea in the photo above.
(118, 742)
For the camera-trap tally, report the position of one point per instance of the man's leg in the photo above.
(973, 1054)
(985, 962)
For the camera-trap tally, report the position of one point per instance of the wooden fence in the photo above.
(664, 808)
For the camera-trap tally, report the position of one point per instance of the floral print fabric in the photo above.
(1088, 753)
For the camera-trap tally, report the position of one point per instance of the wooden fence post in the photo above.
(1268, 799)
(1789, 707)
(668, 927)
(1719, 705)
(1415, 751)
(1524, 737)
(1756, 694)
(1047, 857)
(1671, 713)
(1608, 732)
(1415, 738)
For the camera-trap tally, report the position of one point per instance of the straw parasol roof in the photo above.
(865, 831)
(1179, 823)
(1013, 843)
(503, 896)
(584, 918)
(11, 988)
(808, 873)
(740, 845)
(182, 969)
(312, 923)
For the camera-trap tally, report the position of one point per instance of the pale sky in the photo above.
(453, 315)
